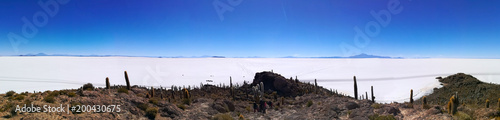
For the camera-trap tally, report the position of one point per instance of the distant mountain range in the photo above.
(363, 55)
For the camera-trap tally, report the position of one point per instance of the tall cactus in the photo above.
(126, 80)
(411, 96)
(487, 103)
(366, 95)
(152, 92)
(256, 93)
(296, 80)
(107, 83)
(452, 105)
(231, 85)
(282, 101)
(186, 94)
(355, 88)
(315, 87)
(424, 102)
(373, 96)
(262, 90)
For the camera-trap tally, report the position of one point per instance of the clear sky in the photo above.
(242, 28)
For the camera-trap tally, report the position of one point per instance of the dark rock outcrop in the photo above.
(276, 82)
(351, 105)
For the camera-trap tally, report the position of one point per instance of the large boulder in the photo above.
(223, 106)
(276, 82)
(169, 110)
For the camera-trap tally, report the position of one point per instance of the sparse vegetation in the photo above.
(10, 93)
(181, 106)
(462, 116)
(243, 96)
(381, 117)
(221, 116)
(151, 113)
(19, 97)
(122, 90)
(153, 101)
(186, 101)
(376, 106)
(71, 94)
(143, 106)
(241, 117)
(49, 99)
(309, 103)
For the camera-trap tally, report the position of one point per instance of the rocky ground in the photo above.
(296, 100)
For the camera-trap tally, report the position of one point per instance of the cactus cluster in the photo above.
(258, 91)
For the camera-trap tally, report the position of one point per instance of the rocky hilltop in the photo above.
(291, 99)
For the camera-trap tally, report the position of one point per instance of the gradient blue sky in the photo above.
(267, 28)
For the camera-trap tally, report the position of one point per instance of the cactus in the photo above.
(261, 90)
(366, 95)
(487, 103)
(315, 87)
(424, 102)
(296, 80)
(126, 80)
(152, 92)
(355, 88)
(275, 95)
(411, 96)
(282, 101)
(452, 105)
(107, 83)
(186, 94)
(256, 92)
(373, 97)
(231, 86)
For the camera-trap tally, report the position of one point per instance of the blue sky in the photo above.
(417, 28)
